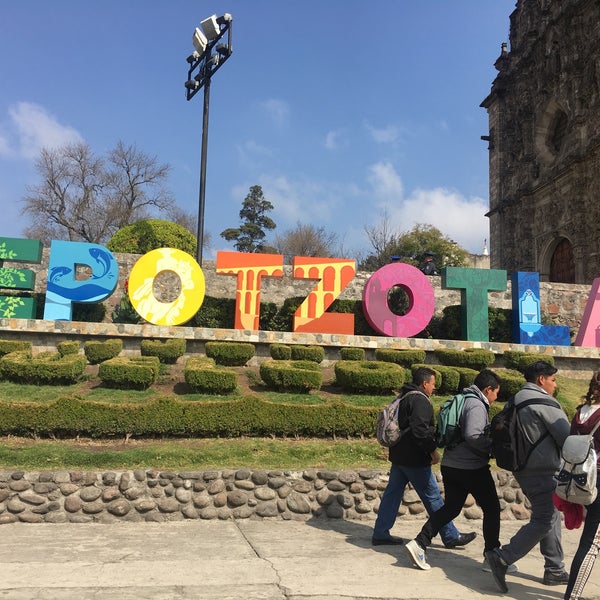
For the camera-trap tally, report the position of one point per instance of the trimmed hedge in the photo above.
(405, 358)
(46, 368)
(447, 379)
(129, 372)
(313, 353)
(291, 375)
(244, 416)
(67, 347)
(280, 352)
(514, 359)
(167, 351)
(511, 381)
(97, 352)
(474, 358)
(350, 353)
(248, 416)
(203, 377)
(466, 377)
(230, 354)
(450, 379)
(369, 376)
(8, 346)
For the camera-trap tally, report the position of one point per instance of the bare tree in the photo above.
(306, 240)
(135, 185)
(81, 199)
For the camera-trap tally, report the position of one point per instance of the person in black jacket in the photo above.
(411, 462)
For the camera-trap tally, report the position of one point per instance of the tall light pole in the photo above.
(207, 58)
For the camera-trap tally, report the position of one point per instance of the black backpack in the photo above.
(510, 447)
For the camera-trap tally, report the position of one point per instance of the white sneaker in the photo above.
(510, 569)
(417, 555)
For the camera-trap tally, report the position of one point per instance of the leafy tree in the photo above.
(250, 235)
(306, 240)
(411, 247)
(149, 234)
(82, 197)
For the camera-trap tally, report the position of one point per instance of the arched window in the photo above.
(562, 265)
(558, 130)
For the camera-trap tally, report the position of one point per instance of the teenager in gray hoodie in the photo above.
(466, 470)
(548, 426)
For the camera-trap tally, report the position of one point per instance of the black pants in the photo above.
(586, 554)
(458, 484)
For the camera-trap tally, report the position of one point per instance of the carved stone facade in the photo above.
(544, 142)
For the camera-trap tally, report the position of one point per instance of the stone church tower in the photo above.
(544, 142)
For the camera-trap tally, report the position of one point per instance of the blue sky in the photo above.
(345, 112)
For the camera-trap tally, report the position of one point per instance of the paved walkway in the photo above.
(251, 560)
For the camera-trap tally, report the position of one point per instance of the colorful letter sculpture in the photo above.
(64, 288)
(474, 285)
(141, 284)
(375, 300)
(526, 315)
(18, 250)
(589, 331)
(334, 274)
(250, 269)
(68, 283)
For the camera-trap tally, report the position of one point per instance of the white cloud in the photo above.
(278, 111)
(33, 128)
(304, 201)
(385, 135)
(386, 182)
(461, 219)
(335, 140)
(250, 153)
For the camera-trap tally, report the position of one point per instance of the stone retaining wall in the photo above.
(158, 496)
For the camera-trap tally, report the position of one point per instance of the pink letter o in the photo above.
(420, 294)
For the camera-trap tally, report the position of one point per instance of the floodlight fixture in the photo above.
(224, 50)
(199, 40)
(208, 57)
(210, 27)
(192, 84)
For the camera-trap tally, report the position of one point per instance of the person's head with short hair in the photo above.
(543, 374)
(424, 377)
(488, 383)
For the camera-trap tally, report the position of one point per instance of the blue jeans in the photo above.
(424, 483)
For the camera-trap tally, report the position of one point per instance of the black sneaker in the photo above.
(393, 540)
(462, 540)
(499, 568)
(551, 578)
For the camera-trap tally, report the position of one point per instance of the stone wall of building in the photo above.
(158, 496)
(544, 143)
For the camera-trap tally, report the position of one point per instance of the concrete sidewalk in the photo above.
(253, 560)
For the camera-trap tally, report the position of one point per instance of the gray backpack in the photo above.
(387, 428)
(576, 479)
